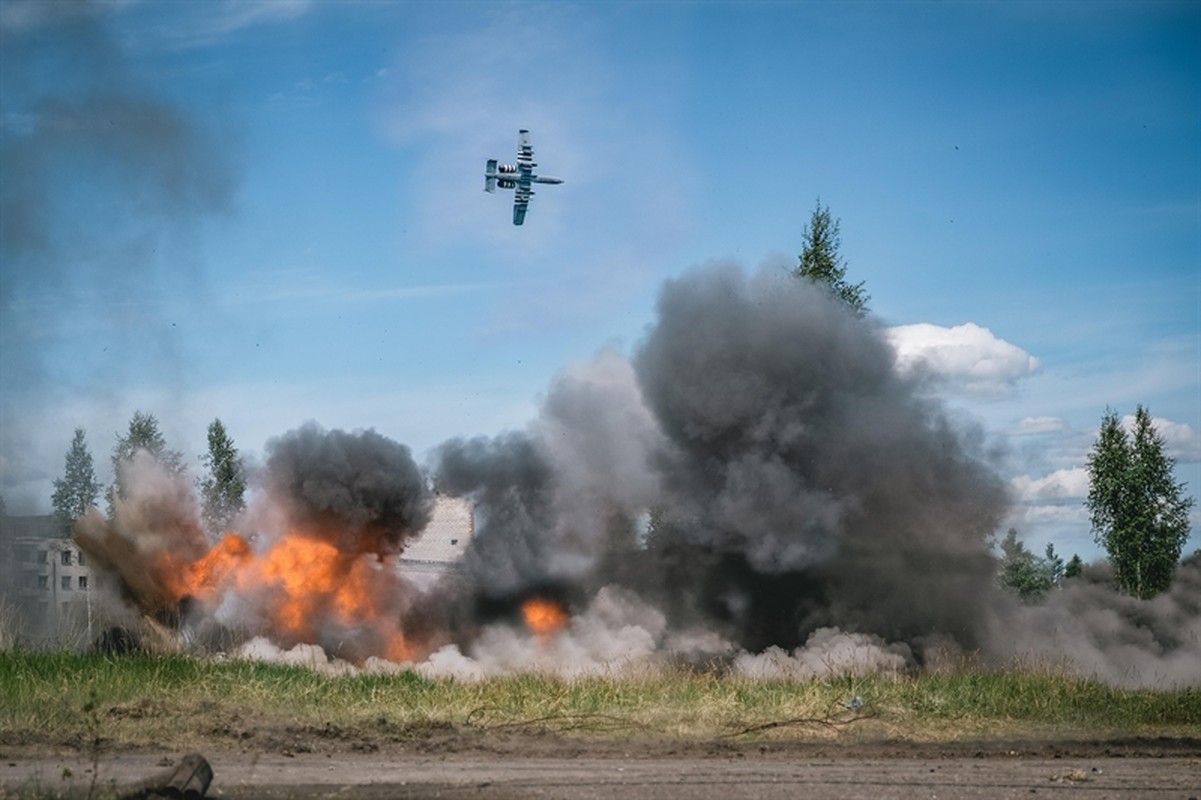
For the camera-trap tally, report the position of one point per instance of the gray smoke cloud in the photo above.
(551, 500)
(773, 493)
(793, 481)
(361, 491)
(1088, 628)
(105, 178)
(816, 487)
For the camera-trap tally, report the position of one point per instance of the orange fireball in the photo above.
(306, 586)
(544, 617)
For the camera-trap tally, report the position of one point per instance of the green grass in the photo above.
(182, 701)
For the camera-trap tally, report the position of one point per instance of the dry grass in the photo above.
(179, 701)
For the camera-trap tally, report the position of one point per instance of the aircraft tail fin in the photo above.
(490, 176)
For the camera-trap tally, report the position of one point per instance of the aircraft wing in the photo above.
(525, 171)
(521, 201)
(525, 153)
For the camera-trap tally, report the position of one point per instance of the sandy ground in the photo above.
(571, 770)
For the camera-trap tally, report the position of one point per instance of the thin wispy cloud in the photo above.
(211, 23)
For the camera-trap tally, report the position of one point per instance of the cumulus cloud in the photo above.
(1182, 441)
(1062, 484)
(965, 358)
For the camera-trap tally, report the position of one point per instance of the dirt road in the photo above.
(572, 771)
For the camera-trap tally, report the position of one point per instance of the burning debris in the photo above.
(758, 487)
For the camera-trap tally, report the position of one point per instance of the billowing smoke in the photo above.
(760, 486)
(552, 500)
(805, 484)
(1090, 629)
(155, 532)
(361, 490)
(315, 564)
(792, 481)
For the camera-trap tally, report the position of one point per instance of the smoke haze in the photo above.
(94, 254)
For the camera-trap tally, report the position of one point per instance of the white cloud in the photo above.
(1182, 441)
(1032, 426)
(1062, 484)
(965, 358)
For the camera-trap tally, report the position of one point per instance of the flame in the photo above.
(545, 617)
(205, 574)
(308, 588)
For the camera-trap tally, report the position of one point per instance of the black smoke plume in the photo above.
(361, 490)
(792, 480)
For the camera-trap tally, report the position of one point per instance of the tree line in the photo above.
(222, 488)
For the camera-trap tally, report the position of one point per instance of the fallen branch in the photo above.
(563, 722)
(826, 721)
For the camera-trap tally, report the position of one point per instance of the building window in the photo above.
(65, 557)
(42, 557)
(81, 561)
(67, 583)
(43, 582)
(83, 582)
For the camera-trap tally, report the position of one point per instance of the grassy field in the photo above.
(174, 701)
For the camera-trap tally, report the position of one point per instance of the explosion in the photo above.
(337, 509)
(759, 486)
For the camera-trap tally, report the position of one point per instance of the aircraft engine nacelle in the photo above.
(507, 183)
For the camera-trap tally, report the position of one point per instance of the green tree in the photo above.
(1074, 568)
(820, 262)
(143, 435)
(1138, 513)
(1026, 574)
(223, 489)
(76, 491)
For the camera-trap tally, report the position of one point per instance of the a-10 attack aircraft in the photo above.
(519, 178)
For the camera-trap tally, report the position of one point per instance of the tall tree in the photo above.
(1138, 513)
(1026, 574)
(821, 263)
(76, 491)
(223, 489)
(1074, 567)
(143, 434)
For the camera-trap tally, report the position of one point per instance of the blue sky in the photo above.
(271, 212)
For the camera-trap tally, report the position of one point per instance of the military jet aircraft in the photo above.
(517, 177)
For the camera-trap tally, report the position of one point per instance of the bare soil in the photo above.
(444, 762)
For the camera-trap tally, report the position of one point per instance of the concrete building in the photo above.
(441, 546)
(43, 573)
